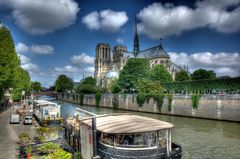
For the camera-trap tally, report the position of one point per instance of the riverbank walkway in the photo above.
(9, 135)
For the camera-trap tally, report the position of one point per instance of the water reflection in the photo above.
(199, 138)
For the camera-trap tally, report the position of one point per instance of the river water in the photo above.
(199, 138)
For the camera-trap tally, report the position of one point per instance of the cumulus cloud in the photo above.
(82, 59)
(27, 64)
(41, 49)
(41, 17)
(21, 48)
(89, 70)
(223, 63)
(34, 49)
(159, 20)
(67, 69)
(107, 20)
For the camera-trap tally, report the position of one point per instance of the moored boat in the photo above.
(122, 136)
(46, 112)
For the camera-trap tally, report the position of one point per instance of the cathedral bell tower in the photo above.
(136, 41)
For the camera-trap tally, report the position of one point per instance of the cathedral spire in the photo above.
(136, 41)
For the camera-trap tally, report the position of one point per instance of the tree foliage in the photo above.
(229, 84)
(9, 61)
(160, 73)
(182, 76)
(202, 74)
(21, 83)
(36, 86)
(149, 87)
(63, 83)
(114, 87)
(89, 80)
(134, 70)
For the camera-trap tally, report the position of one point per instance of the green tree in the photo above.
(63, 83)
(134, 70)
(9, 60)
(149, 87)
(36, 86)
(87, 88)
(21, 83)
(89, 80)
(159, 73)
(182, 76)
(213, 74)
(203, 74)
(114, 87)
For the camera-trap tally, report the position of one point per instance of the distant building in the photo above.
(109, 63)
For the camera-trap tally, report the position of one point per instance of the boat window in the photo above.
(107, 139)
(162, 138)
(136, 140)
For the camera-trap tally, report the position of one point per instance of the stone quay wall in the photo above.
(225, 107)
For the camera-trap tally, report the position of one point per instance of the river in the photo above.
(199, 138)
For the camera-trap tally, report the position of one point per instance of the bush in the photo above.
(230, 84)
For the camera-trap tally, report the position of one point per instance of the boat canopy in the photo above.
(44, 102)
(127, 124)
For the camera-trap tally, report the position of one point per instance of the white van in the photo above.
(28, 119)
(14, 119)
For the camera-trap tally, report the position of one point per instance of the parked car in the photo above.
(14, 119)
(28, 119)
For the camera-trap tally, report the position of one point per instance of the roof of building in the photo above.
(154, 52)
(127, 124)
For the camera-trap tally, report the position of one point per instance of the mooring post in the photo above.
(94, 133)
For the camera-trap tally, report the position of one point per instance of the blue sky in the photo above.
(59, 37)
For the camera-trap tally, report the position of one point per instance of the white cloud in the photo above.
(22, 48)
(34, 49)
(24, 59)
(107, 20)
(120, 40)
(82, 59)
(41, 49)
(223, 63)
(89, 70)
(158, 20)
(31, 67)
(41, 17)
(92, 20)
(67, 69)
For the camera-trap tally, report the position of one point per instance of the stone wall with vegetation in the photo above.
(219, 107)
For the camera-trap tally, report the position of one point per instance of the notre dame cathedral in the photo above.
(109, 63)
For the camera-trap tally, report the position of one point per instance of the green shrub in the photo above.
(98, 98)
(228, 85)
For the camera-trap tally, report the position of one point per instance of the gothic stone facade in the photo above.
(109, 63)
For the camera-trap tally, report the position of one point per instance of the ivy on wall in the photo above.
(159, 100)
(98, 98)
(195, 100)
(81, 96)
(170, 98)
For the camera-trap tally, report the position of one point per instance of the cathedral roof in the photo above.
(153, 52)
